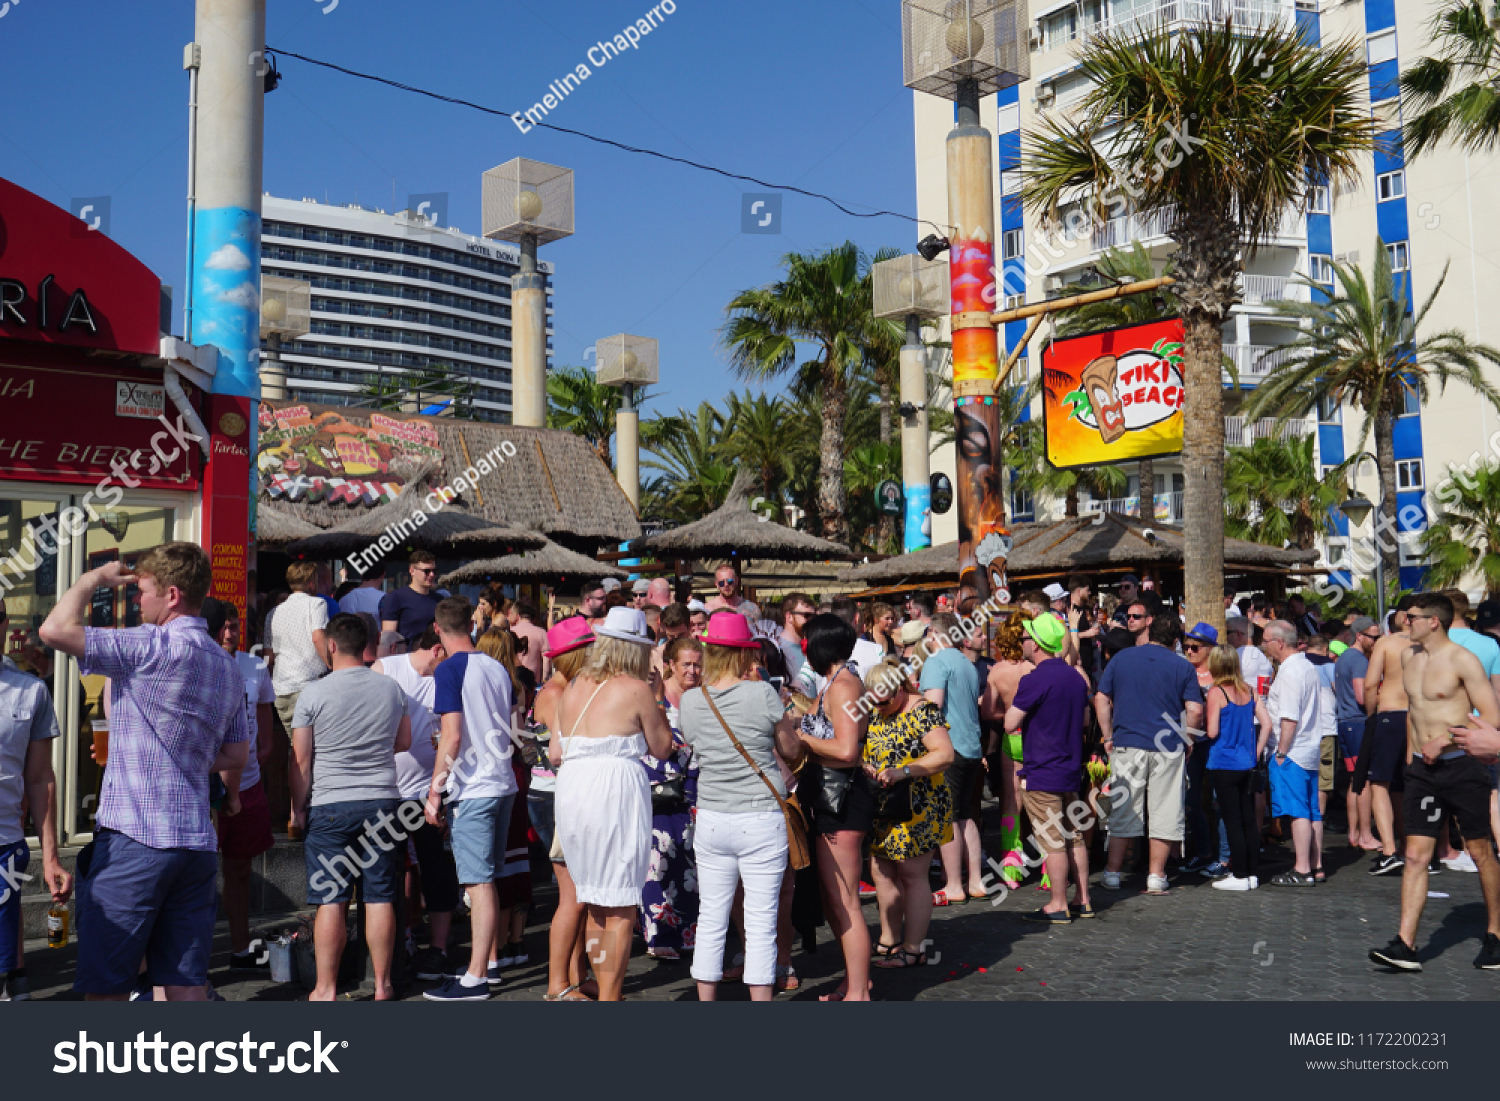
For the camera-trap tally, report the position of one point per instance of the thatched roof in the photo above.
(1079, 544)
(449, 529)
(733, 530)
(275, 527)
(549, 481)
(549, 563)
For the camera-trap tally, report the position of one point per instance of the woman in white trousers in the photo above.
(735, 724)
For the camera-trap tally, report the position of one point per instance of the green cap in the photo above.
(1047, 632)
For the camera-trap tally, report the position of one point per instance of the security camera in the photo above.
(1149, 536)
(932, 246)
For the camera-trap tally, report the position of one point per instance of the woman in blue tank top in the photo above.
(1238, 729)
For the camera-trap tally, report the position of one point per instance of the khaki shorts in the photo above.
(286, 709)
(1146, 783)
(1049, 826)
(1328, 749)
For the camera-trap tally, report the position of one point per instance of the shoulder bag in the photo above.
(798, 852)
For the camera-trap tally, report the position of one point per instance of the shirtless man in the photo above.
(1004, 763)
(1445, 684)
(1385, 737)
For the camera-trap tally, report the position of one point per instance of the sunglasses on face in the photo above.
(1373, 638)
(1193, 647)
(724, 583)
(1130, 615)
(425, 569)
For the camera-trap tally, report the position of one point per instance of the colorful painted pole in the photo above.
(983, 538)
(225, 269)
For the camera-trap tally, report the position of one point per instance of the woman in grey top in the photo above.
(741, 834)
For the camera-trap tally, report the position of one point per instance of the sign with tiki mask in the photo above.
(1114, 396)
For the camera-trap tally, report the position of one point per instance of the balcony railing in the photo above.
(1120, 232)
(1257, 290)
(1253, 361)
(1240, 433)
(1171, 13)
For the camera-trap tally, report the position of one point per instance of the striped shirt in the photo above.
(175, 698)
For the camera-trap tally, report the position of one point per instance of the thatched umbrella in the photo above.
(276, 528)
(549, 563)
(735, 532)
(1082, 544)
(408, 521)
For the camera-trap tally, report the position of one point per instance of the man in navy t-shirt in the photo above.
(1048, 710)
(410, 611)
(1148, 694)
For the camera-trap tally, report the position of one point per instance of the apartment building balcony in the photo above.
(1253, 362)
(1239, 432)
(1167, 507)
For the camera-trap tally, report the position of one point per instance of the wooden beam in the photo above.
(1040, 309)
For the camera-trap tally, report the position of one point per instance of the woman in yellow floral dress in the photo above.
(906, 750)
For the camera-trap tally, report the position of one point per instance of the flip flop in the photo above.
(1046, 917)
(565, 996)
(884, 951)
(940, 898)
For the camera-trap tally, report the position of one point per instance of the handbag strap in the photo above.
(780, 801)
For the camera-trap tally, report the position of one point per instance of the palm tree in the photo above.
(761, 433)
(1273, 494)
(1036, 475)
(824, 300)
(687, 447)
(576, 403)
(1360, 346)
(1465, 536)
(1217, 130)
(866, 467)
(1132, 266)
(1455, 94)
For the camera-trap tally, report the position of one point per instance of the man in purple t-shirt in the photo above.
(1048, 710)
(177, 713)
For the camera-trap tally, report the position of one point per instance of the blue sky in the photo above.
(786, 90)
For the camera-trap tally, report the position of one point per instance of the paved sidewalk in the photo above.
(1194, 944)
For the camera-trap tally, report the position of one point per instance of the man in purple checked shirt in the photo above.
(176, 714)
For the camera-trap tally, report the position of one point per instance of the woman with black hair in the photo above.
(835, 790)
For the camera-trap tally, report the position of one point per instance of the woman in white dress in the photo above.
(611, 719)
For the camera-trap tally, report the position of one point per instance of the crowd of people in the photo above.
(716, 781)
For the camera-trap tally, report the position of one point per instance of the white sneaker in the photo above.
(1463, 862)
(1110, 881)
(1254, 883)
(1233, 883)
(1156, 885)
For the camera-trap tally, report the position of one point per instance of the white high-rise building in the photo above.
(1444, 191)
(393, 296)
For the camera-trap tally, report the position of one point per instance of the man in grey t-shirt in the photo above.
(348, 728)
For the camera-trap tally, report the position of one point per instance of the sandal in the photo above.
(1319, 876)
(884, 951)
(565, 996)
(903, 958)
(940, 898)
(786, 979)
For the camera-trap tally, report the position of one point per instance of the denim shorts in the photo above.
(541, 809)
(137, 902)
(13, 862)
(353, 841)
(479, 828)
